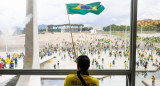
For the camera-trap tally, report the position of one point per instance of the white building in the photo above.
(95, 29)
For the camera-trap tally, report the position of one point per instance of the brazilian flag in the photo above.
(107, 41)
(77, 8)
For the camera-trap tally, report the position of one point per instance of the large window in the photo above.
(147, 58)
(105, 38)
(109, 39)
(12, 33)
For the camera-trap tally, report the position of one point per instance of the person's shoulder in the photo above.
(68, 79)
(71, 76)
(94, 79)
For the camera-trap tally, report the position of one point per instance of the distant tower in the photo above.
(46, 29)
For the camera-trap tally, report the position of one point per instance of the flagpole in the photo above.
(71, 33)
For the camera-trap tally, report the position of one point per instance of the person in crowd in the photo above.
(110, 65)
(1, 65)
(11, 64)
(153, 81)
(82, 77)
(16, 61)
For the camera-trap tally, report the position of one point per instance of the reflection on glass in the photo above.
(11, 80)
(148, 51)
(103, 81)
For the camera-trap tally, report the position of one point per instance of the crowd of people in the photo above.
(11, 60)
(94, 47)
(117, 48)
(148, 54)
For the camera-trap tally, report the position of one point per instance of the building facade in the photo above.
(66, 27)
(146, 22)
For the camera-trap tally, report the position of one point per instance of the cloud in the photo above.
(114, 19)
(55, 12)
(148, 9)
(13, 12)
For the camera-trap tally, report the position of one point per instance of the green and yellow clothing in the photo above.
(73, 80)
(7, 60)
(126, 64)
(110, 65)
(153, 79)
(0, 58)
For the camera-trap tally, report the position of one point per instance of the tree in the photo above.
(158, 27)
(116, 27)
(139, 27)
(106, 28)
(154, 26)
(87, 28)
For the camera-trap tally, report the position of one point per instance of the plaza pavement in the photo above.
(149, 82)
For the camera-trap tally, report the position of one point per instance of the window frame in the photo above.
(130, 74)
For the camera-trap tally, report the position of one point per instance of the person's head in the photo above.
(83, 63)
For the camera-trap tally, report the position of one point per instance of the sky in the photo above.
(13, 12)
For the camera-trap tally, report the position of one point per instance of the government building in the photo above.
(146, 22)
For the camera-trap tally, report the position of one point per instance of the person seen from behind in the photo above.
(82, 78)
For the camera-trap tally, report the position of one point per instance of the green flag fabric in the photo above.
(107, 41)
(76, 8)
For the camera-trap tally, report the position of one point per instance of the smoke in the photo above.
(10, 29)
(7, 31)
(27, 19)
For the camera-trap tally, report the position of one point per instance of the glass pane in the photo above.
(12, 33)
(148, 25)
(105, 38)
(12, 80)
(103, 81)
(8, 80)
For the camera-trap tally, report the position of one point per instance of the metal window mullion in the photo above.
(133, 34)
(62, 72)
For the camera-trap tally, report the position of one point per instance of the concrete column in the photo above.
(31, 60)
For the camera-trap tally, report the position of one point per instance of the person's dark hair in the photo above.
(83, 62)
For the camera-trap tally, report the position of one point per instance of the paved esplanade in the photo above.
(149, 82)
(119, 61)
(70, 64)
